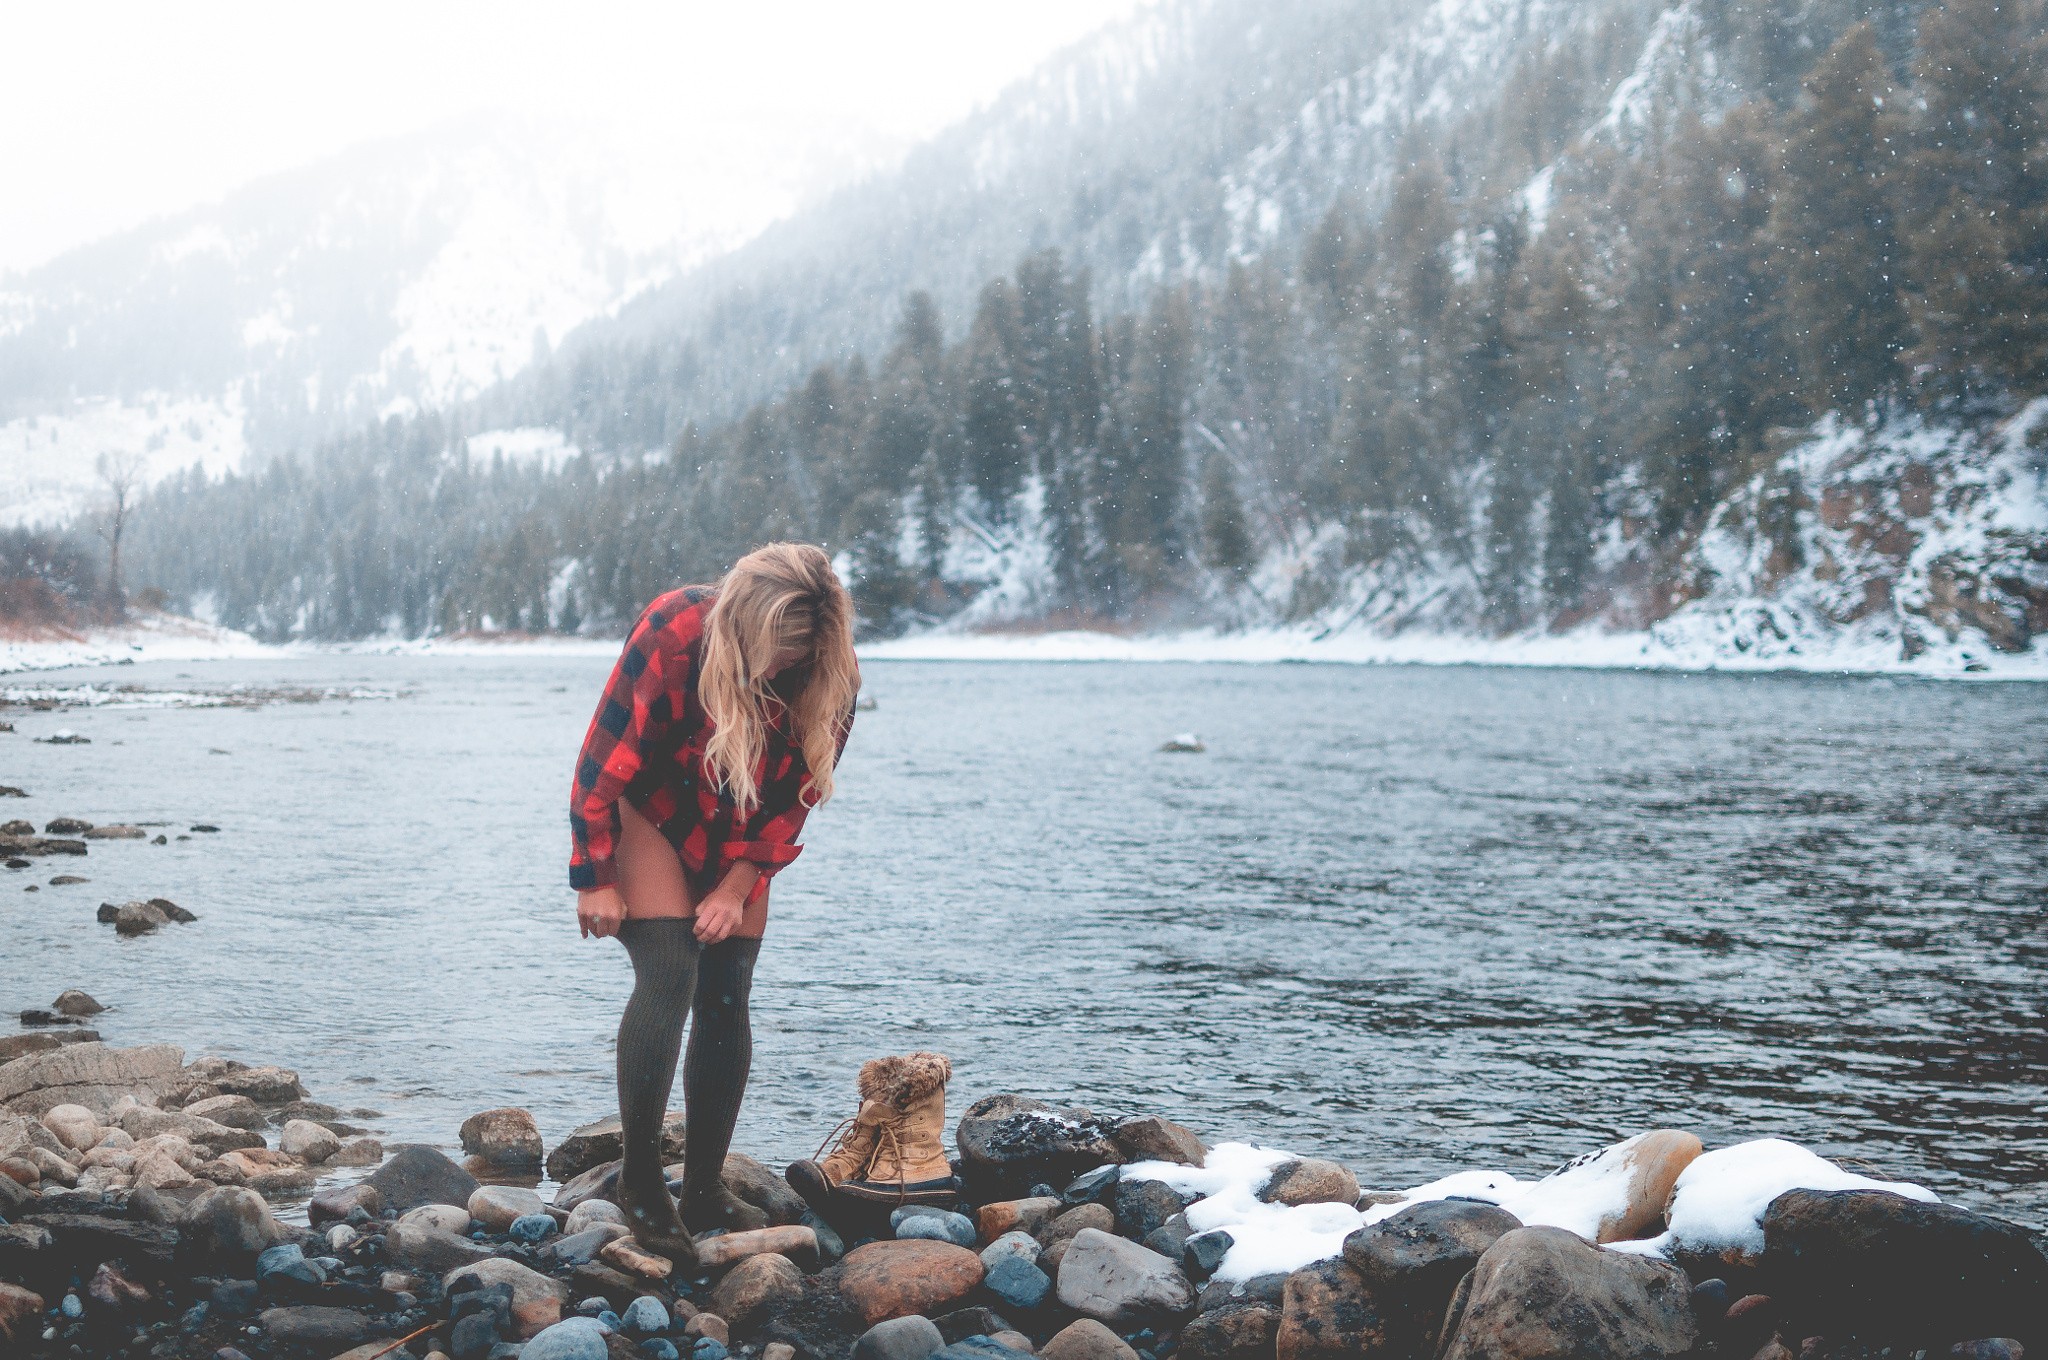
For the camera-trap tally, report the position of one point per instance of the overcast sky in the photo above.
(120, 112)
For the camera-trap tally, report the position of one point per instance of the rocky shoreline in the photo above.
(139, 1212)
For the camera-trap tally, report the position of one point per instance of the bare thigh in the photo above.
(650, 876)
(652, 883)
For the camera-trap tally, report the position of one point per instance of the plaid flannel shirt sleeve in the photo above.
(773, 829)
(630, 718)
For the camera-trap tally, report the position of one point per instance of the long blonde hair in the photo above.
(782, 597)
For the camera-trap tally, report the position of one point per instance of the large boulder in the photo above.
(81, 1241)
(1009, 1143)
(505, 1137)
(754, 1288)
(1120, 1283)
(227, 1228)
(1545, 1292)
(1867, 1263)
(596, 1143)
(92, 1075)
(416, 1174)
(1413, 1261)
(883, 1280)
(1326, 1312)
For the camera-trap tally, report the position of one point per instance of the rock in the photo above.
(1006, 1215)
(336, 1202)
(73, 1001)
(1148, 1138)
(599, 1182)
(1987, 1348)
(67, 826)
(575, 1249)
(962, 1323)
(269, 1171)
(1015, 1341)
(1326, 1311)
(264, 1085)
(758, 1185)
(645, 1316)
(21, 1313)
(902, 1338)
(1010, 1143)
(73, 1126)
(1093, 1187)
(1144, 1206)
(1086, 1339)
(317, 1112)
(598, 1142)
(21, 1171)
(707, 1324)
(1202, 1253)
(571, 1339)
(88, 1074)
(358, 1152)
(313, 1327)
(1241, 1331)
(778, 1350)
(1062, 1229)
(892, 1279)
(504, 1137)
(14, 1046)
(138, 918)
(116, 833)
(1170, 1239)
(981, 1348)
(1121, 1283)
(537, 1301)
(1548, 1292)
(1018, 1283)
(1413, 1261)
(496, 1206)
(225, 1229)
(417, 1174)
(447, 1218)
(592, 1212)
(531, 1228)
(50, 1167)
(624, 1255)
(1865, 1262)
(425, 1247)
(1019, 1244)
(217, 1139)
(753, 1288)
(310, 1142)
(937, 1225)
(1310, 1180)
(236, 1112)
(794, 1241)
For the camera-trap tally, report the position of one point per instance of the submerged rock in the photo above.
(504, 1137)
(73, 1001)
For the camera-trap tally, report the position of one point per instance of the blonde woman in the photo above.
(719, 731)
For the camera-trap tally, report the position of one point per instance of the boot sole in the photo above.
(807, 1180)
(939, 1192)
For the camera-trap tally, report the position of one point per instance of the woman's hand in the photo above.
(599, 912)
(718, 915)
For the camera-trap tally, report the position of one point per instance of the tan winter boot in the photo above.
(894, 1152)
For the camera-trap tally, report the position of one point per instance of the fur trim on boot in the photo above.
(904, 1081)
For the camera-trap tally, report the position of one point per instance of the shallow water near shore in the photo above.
(1419, 919)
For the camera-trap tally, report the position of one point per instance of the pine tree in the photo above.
(1978, 171)
(1837, 231)
(992, 420)
(1226, 539)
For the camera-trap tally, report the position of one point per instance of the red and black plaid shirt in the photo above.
(646, 745)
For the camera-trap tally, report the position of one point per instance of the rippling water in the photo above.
(1417, 919)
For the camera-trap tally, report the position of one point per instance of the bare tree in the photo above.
(121, 475)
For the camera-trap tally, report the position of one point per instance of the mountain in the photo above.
(399, 275)
(1492, 318)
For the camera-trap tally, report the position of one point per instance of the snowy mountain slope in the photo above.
(396, 276)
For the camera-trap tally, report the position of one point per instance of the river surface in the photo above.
(1418, 919)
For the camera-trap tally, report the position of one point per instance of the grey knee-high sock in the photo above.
(721, 1054)
(665, 955)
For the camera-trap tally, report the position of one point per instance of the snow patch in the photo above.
(48, 462)
(526, 445)
(155, 637)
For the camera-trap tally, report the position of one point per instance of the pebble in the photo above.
(645, 1316)
(578, 1338)
(906, 1338)
(72, 1307)
(1017, 1243)
(659, 1348)
(708, 1348)
(531, 1227)
(1018, 1282)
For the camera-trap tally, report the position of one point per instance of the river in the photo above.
(1418, 919)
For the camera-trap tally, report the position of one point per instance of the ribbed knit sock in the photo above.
(665, 955)
(720, 1057)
